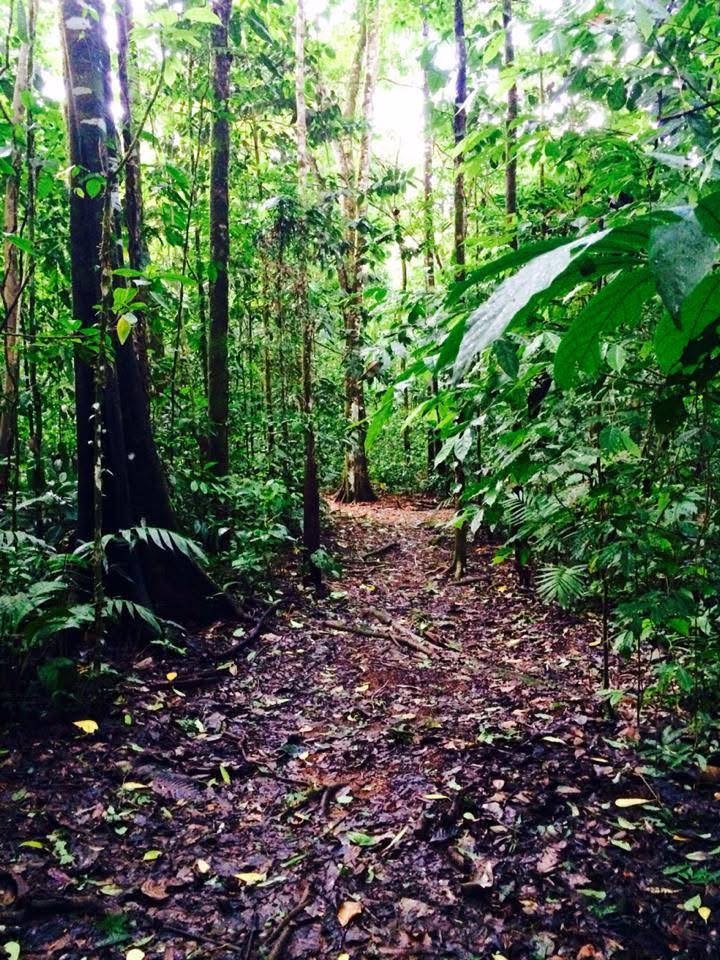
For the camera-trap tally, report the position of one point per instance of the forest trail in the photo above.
(439, 784)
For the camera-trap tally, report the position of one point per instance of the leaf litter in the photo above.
(431, 776)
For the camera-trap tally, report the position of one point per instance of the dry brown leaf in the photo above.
(548, 861)
(349, 909)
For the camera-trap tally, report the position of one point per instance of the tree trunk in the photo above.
(355, 485)
(218, 377)
(459, 561)
(120, 478)
(12, 283)
(510, 125)
(311, 491)
(138, 257)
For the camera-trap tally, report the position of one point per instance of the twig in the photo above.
(283, 931)
(254, 633)
(380, 551)
(201, 937)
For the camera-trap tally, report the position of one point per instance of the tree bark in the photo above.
(12, 281)
(122, 484)
(218, 376)
(138, 257)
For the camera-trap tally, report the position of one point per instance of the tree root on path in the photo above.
(280, 936)
(401, 640)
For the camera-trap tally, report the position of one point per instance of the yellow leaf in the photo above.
(152, 854)
(134, 785)
(87, 726)
(250, 879)
(202, 866)
(434, 796)
(348, 910)
(135, 954)
(343, 956)
(630, 802)
(171, 676)
(705, 913)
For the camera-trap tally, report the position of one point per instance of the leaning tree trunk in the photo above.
(355, 485)
(120, 479)
(218, 375)
(12, 283)
(459, 560)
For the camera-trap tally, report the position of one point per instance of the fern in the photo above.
(164, 540)
(559, 584)
(116, 607)
(10, 539)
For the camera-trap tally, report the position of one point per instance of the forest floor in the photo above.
(406, 768)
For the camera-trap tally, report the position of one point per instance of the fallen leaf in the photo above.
(111, 890)
(705, 913)
(134, 785)
(697, 856)
(171, 676)
(548, 861)
(12, 948)
(154, 889)
(202, 866)
(348, 910)
(135, 954)
(87, 726)
(630, 802)
(250, 879)
(152, 854)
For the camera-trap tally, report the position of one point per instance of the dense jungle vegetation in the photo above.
(279, 275)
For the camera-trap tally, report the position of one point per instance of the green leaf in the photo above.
(615, 440)
(514, 295)
(698, 311)
(708, 213)
(12, 949)
(507, 358)
(681, 254)
(619, 302)
(362, 839)
(123, 328)
(201, 15)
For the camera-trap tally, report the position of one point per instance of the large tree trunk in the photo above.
(120, 479)
(355, 485)
(311, 491)
(459, 561)
(12, 281)
(218, 377)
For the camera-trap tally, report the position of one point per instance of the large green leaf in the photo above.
(619, 302)
(708, 213)
(681, 254)
(698, 311)
(516, 294)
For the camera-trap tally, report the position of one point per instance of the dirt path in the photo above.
(440, 784)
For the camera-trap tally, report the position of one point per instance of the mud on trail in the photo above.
(406, 768)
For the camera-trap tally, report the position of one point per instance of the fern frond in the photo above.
(560, 584)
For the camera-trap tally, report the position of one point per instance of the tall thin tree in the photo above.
(218, 374)
(311, 492)
(13, 280)
(459, 560)
(356, 485)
